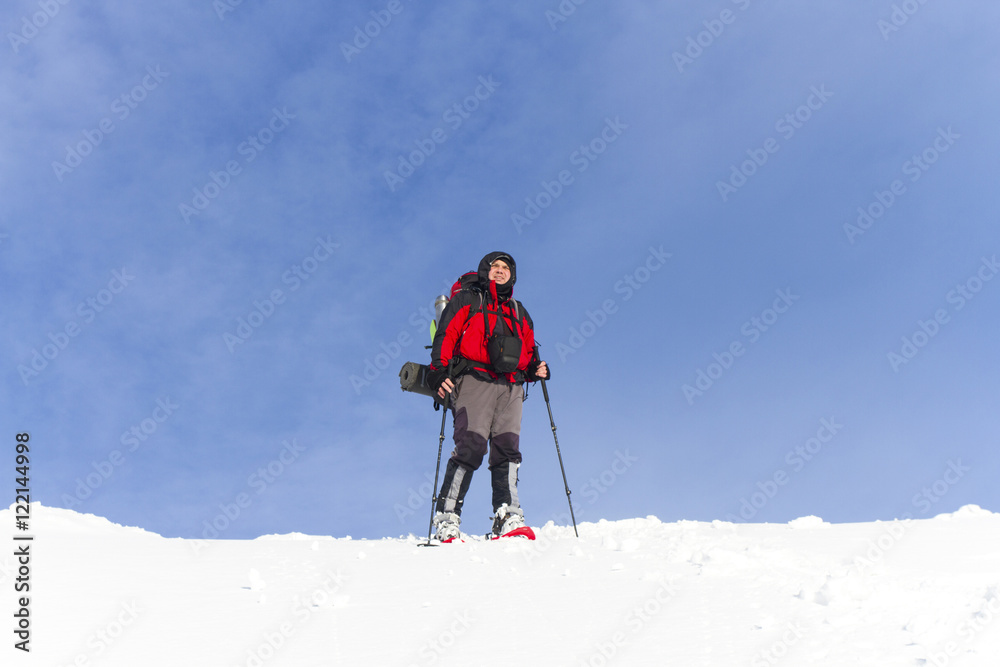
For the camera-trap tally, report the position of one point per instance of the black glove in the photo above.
(532, 370)
(435, 377)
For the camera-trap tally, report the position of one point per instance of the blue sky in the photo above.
(757, 240)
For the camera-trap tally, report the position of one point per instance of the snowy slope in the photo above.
(636, 592)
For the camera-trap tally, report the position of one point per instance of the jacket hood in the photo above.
(505, 290)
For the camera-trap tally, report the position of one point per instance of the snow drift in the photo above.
(635, 592)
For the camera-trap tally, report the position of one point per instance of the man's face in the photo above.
(499, 271)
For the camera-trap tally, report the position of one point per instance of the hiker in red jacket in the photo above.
(484, 351)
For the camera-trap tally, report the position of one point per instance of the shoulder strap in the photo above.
(517, 318)
(486, 321)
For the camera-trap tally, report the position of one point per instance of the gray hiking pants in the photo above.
(487, 416)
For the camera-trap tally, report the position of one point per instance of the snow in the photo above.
(634, 592)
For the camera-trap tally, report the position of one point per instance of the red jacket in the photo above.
(463, 331)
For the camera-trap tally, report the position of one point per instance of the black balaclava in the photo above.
(507, 289)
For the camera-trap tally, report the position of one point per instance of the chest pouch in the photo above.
(504, 350)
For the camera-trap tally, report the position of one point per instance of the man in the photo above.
(483, 352)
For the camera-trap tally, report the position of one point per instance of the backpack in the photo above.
(413, 376)
(468, 281)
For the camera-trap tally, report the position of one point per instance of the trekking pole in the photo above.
(545, 392)
(437, 469)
